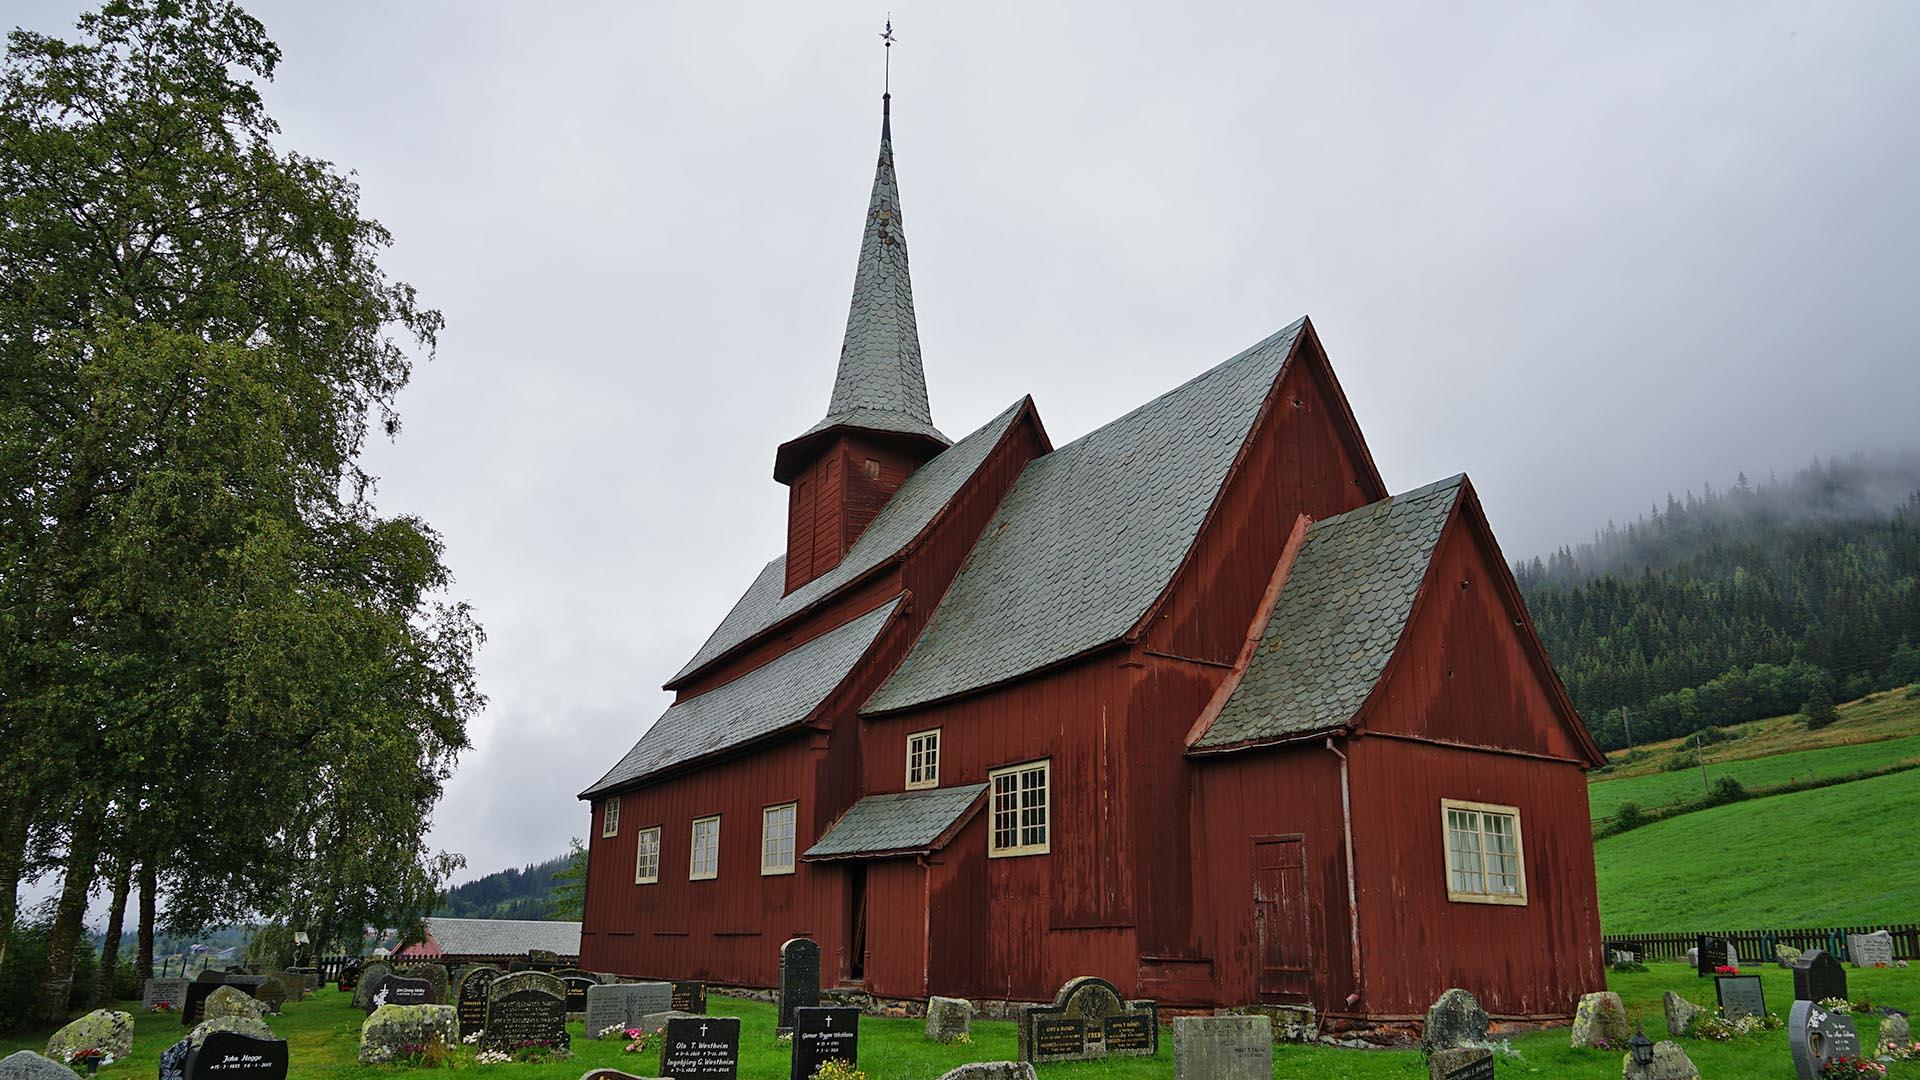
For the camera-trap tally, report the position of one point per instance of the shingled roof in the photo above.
(903, 823)
(499, 937)
(1089, 536)
(904, 517)
(1337, 620)
(780, 693)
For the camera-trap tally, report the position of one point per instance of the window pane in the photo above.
(1006, 811)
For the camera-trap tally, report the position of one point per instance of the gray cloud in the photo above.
(1588, 254)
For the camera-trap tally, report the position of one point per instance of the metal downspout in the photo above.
(1353, 903)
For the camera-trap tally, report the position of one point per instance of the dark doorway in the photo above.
(1280, 916)
(857, 922)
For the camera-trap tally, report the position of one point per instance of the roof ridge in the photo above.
(1390, 501)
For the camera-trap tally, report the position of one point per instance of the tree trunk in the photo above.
(103, 987)
(13, 856)
(143, 964)
(57, 983)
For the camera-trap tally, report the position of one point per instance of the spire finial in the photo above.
(886, 36)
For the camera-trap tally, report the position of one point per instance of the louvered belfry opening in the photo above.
(879, 425)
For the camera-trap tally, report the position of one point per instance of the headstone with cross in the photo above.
(701, 1047)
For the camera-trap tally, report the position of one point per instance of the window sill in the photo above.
(1486, 898)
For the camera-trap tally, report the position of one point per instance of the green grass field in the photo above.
(1663, 788)
(1888, 714)
(1843, 854)
(323, 1032)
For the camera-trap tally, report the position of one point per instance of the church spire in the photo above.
(881, 387)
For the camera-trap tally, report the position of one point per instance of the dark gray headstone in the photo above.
(799, 978)
(470, 999)
(226, 1055)
(701, 1047)
(1088, 1019)
(1712, 952)
(624, 1005)
(1817, 1036)
(400, 990)
(350, 975)
(1740, 995)
(577, 987)
(823, 1035)
(1223, 1048)
(690, 996)
(1817, 976)
(526, 1007)
(1461, 1063)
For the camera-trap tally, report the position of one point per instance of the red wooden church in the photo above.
(1190, 703)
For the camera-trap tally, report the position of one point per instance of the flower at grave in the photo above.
(838, 1070)
(1836, 1005)
(492, 1057)
(1893, 1051)
(785, 1037)
(1852, 1068)
(636, 1040)
(472, 1040)
(610, 1031)
(162, 1007)
(1726, 969)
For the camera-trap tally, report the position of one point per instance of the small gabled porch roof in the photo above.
(901, 823)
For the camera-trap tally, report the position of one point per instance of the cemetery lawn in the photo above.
(323, 1034)
(1830, 856)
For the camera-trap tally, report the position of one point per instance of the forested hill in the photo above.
(506, 894)
(1731, 606)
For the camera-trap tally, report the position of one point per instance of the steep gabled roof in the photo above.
(905, 516)
(903, 823)
(1337, 620)
(1090, 535)
(781, 693)
(881, 385)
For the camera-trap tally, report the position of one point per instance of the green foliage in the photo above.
(569, 898)
(1724, 608)
(1650, 794)
(1819, 709)
(1726, 789)
(1628, 816)
(838, 1070)
(523, 893)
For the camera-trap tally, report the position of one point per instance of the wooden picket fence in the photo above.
(1756, 946)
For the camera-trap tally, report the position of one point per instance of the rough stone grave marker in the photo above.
(1740, 995)
(624, 1005)
(821, 1035)
(526, 1007)
(544, 960)
(1223, 1048)
(27, 1065)
(227, 1055)
(799, 978)
(1870, 950)
(1088, 1019)
(171, 993)
(1461, 1063)
(689, 996)
(1712, 952)
(1817, 1036)
(700, 1047)
(1817, 976)
(470, 999)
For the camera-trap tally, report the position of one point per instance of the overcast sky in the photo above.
(1588, 254)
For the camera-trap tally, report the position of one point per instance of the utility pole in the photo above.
(1629, 726)
(1700, 747)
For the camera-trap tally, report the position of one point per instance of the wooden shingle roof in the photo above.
(1090, 535)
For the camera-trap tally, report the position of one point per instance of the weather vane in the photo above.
(887, 36)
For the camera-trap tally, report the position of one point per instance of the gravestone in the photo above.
(272, 994)
(105, 1030)
(350, 975)
(577, 987)
(1461, 1063)
(1895, 1029)
(400, 990)
(1681, 1013)
(370, 976)
(1600, 1021)
(395, 1031)
(170, 994)
(799, 978)
(230, 1001)
(1817, 976)
(433, 973)
(1740, 995)
(526, 1007)
(1223, 1048)
(1455, 1018)
(173, 1060)
(293, 982)
(27, 1065)
(1712, 952)
(227, 1055)
(239, 1025)
(655, 1023)
(700, 1047)
(624, 1005)
(1870, 950)
(1088, 1019)
(1669, 1063)
(1817, 1036)
(948, 1018)
(821, 1035)
(470, 999)
(544, 960)
(1785, 955)
(689, 996)
(1627, 952)
(991, 1070)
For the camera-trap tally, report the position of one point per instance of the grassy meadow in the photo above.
(1663, 788)
(323, 1031)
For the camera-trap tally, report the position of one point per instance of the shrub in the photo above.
(1709, 736)
(1727, 789)
(838, 1070)
(1628, 816)
(1681, 759)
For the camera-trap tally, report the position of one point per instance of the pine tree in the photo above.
(1819, 710)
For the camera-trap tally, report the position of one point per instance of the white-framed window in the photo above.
(923, 759)
(1486, 862)
(776, 838)
(1020, 806)
(703, 864)
(646, 855)
(610, 817)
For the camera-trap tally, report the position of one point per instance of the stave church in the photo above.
(1192, 703)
